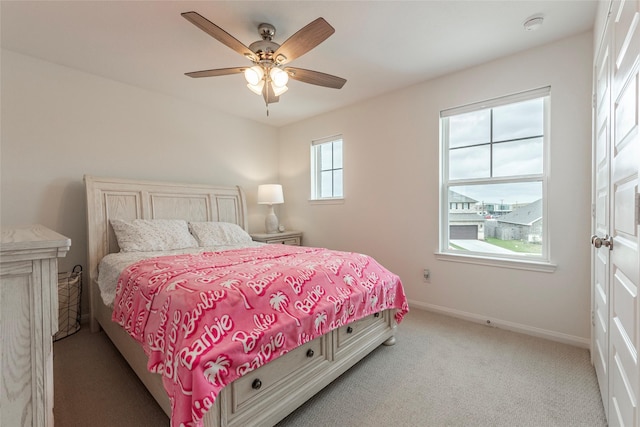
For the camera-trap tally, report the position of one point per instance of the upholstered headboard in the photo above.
(114, 198)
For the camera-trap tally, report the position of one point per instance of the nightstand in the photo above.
(285, 238)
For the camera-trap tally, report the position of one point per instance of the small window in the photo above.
(326, 169)
(494, 178)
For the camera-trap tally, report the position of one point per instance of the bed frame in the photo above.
(264, 396)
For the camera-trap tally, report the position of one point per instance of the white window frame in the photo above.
(316, 181)
(536, 263)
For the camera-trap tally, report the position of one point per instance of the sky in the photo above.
(504, 141)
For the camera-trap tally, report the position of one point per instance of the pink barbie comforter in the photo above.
(206, 319)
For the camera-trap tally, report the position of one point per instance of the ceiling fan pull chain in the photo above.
(266, 99)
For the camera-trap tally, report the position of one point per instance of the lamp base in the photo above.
(271, 222)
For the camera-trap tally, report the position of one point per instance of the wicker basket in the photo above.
(69, 295)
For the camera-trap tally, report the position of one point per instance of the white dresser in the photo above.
(28, 319)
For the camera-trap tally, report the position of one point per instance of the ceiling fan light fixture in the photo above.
(253, 75)
(278, 77)
(257, 88)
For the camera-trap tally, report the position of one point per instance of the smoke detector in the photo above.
(533, 23)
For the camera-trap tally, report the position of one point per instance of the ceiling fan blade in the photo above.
(315, 77)
(219, 34)
(303, 41)
(216, 72)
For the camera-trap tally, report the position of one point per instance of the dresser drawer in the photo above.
(350, 334)
(271, 382)
(293, 238)
(294, 241)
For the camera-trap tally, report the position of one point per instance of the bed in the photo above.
(261, 395)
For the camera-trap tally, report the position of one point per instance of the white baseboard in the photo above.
(503, 324)
(84, 319)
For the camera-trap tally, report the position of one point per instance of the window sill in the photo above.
(541, 266)
(333, 201)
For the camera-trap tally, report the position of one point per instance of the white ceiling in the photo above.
(378, 46)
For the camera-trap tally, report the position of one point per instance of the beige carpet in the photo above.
(442, 372)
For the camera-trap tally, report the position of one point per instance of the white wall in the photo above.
(391, 177)
(59, 124)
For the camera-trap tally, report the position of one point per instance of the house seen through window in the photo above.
(326, 168)
(494, 177)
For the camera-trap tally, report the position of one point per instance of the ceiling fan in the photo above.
(269, 74)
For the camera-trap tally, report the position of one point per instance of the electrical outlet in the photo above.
(426, 275)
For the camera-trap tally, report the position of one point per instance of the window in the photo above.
(494, 178)
(326, 168)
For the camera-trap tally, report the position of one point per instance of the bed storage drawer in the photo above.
(349, 335)
(269, 384)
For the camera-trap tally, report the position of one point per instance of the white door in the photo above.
(624, 328)
(600, 257)
(617, 216)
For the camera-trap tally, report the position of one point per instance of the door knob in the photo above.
(598, 242)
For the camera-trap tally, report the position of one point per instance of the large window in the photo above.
(494, 178)
(326, 169)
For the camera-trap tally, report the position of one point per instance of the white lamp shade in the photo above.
(279, 77)
(270, 194)
(253, 75)
(277, 91)
(257, 88)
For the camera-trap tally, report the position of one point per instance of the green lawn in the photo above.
(515, 245)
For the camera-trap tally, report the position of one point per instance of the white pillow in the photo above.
(218, 233)
(144, 235)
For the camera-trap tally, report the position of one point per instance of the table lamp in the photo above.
(270, 194)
